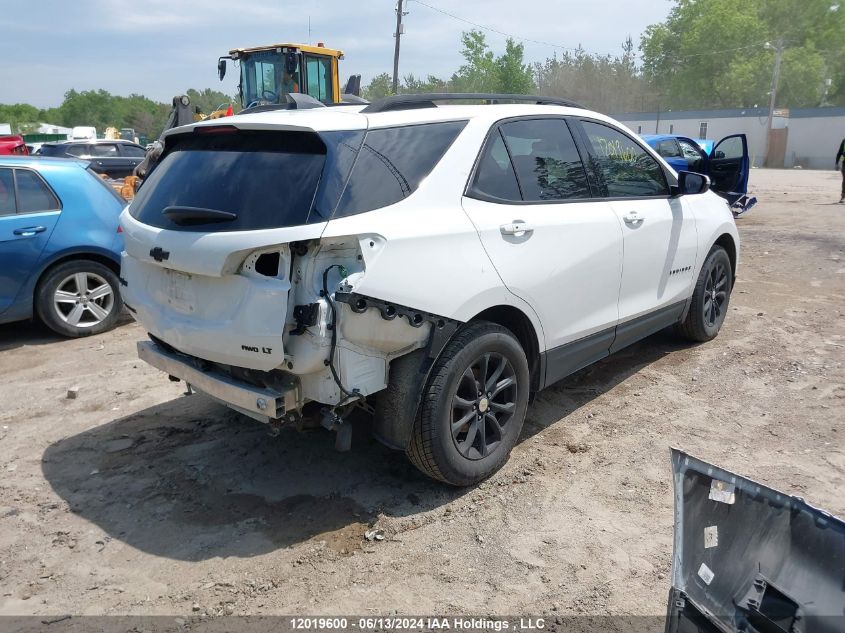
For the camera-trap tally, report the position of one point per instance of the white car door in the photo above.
(551, 243)
(659, 233)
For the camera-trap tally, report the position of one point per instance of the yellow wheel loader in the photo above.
(268, 74)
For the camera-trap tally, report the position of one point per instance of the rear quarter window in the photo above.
(33, 194)
(392, 162)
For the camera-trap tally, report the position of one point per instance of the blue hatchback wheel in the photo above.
(83, 299)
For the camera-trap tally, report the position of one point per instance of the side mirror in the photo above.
(221, 68)
(291, 62)
(690, 183)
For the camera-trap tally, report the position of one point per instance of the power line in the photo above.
(510, 35)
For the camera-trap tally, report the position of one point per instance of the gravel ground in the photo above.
(133, 499)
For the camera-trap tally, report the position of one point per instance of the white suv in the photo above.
(434, 264)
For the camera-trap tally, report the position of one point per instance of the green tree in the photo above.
(607, 83)
(21, 116)
(478, 74)
(379, 87)
(719, 53)
(412, 85)
(513, 75)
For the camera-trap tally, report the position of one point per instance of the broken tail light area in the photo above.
(750, 558)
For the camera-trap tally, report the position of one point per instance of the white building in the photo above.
(47, 128)
(807, 137)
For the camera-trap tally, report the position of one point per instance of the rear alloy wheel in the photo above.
(710, 298)
(473, 408)
(79, 298)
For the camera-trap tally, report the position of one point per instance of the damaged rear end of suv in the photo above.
(245, 294)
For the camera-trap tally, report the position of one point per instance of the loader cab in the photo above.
(268, 73)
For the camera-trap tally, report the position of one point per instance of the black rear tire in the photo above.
(96, 289)
(710, 298)
(473, 406)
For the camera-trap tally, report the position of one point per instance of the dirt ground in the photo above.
(133, 499)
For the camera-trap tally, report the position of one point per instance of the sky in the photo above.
(160, 48)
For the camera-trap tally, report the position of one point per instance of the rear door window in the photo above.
(393, 162)
(546, 160)
(33, 193)
(621, 166)
(267, 179)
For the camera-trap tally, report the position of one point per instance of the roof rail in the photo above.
(411, 102)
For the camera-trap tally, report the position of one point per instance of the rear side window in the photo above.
(105, 150)
(52, 150)
(7, 192)
(494, 176)
(393, 162)
(267, 179)
(131, 151)
(77, 150)
(668, 148)
(622, 168)
(33, 193)
(546, 160)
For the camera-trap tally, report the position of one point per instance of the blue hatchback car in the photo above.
(60, 245)
(726, 163)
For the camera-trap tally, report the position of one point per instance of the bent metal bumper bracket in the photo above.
(257, 402)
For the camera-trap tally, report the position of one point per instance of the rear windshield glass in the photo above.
(106, 185)
(52, 150)
(266, 179)
(393, 162)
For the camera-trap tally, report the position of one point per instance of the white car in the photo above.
(434, 264)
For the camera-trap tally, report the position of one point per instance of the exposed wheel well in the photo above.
(727, 242)
(521, 327)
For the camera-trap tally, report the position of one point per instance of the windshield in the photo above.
(267, 76)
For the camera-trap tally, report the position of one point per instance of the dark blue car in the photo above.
(59, 245)
(727, 164)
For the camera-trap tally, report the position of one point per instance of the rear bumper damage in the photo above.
(262, 403)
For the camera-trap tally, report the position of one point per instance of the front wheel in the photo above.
(79, 298)
(710, 298)
(473, 407)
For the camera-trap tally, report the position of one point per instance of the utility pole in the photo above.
(399, 30)
(778, 48)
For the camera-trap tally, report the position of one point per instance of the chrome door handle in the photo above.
(29, 231)
(632, 217)
(517, 227)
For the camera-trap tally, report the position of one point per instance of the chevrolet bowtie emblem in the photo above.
(159, 254)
